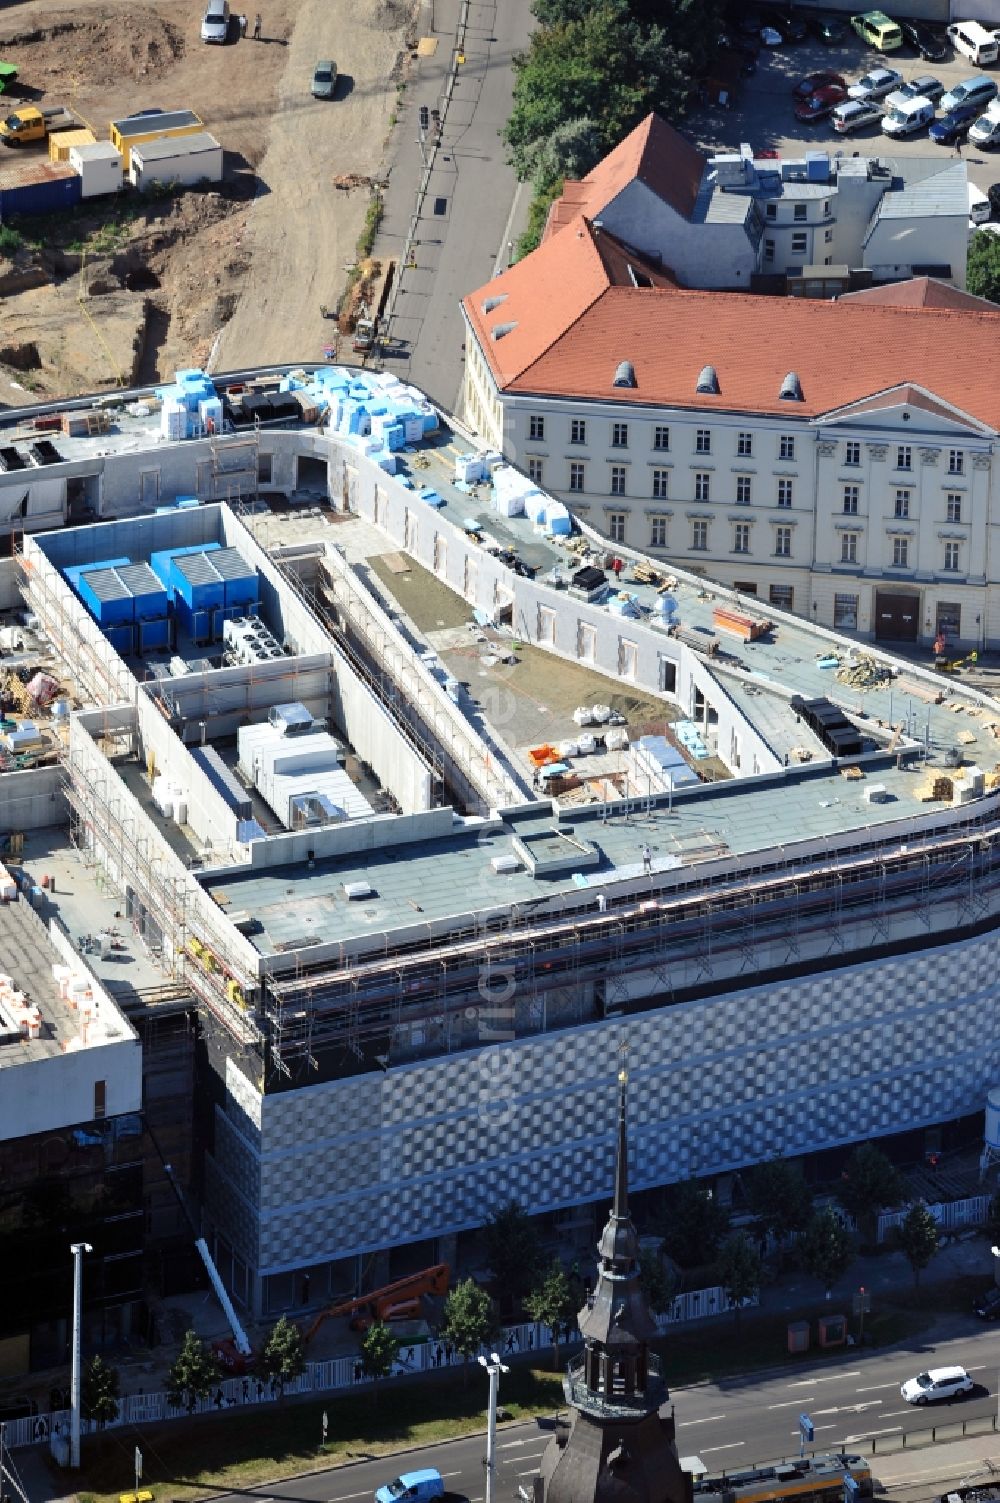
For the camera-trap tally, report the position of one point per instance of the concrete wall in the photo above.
(53, 1091)
(699, 255)
(895, 246)
(32, 800)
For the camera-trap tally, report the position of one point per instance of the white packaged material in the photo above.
(568, 749)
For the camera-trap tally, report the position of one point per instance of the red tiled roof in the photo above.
(655, 154)
(920, 292)
(905, 395)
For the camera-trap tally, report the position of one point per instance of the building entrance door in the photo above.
(897, 617)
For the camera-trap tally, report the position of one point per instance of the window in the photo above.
(771, 211)
(828, 237)
(904, 455)
(781, 595)
(586, 642)
(546, 624)
(264, 468)
(956, 462)
(845, 612)
(784, 493)
(616, 526)
(100, 1099)
(619, 435)
(661, 480)
(786, 446)
(800, 213)
(741, 537)
(536, 426)
(900, 553)
(658, 532)
(852, 495)
(618, 480)
(744, 445)
(800, 243)
(576, 476)
(782, 542)
(951, 557)
(768, 250)
(852, 453)
(902, 508)
(954, 503)
(703, 441)
(628, 659)
(578, 431)
(826, 209)
(702, 486)
(661, 437)
(535, 471)
(743, 490)
(848, 547)
(699, 535)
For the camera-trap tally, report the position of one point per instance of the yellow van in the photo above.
(878, 30)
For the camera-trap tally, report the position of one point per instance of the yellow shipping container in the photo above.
(61, 141)
(135, 129)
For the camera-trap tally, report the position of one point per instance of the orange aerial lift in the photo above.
(397, 1301)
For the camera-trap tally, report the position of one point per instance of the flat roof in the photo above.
(175, 146)
(155, 120)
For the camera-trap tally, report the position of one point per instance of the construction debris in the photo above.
(862, 672)
(348, 180)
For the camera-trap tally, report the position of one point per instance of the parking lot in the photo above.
(762, 115)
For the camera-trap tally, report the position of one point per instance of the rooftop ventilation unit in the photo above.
(494, 301)
(625, 374)
(708, 382)
(502, 329)
(791, 388)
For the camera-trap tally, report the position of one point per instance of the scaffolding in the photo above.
(234, 469)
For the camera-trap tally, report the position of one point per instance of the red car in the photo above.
(813, 82)
(820, 104)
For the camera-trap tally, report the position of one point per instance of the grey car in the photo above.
(324, 79)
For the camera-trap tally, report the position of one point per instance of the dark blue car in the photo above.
(954, 126)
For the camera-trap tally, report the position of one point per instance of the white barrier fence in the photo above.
(950, 1215)
(337, 1374)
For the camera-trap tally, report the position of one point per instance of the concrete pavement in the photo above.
(471, 206)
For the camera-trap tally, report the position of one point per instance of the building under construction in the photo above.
(410, 961)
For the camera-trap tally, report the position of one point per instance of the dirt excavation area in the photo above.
(124, 289)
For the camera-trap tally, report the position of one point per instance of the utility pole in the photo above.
(494, 1368)
(77, 1249)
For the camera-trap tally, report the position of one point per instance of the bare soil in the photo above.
(128, 289)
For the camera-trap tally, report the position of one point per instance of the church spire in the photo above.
(620, 1208)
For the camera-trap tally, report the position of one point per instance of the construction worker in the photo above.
(257, 24)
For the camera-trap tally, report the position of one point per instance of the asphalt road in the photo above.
(763, 114)
(851, 1398)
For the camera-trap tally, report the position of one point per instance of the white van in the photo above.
(977, 44)
(986, 130)
(912, 115)
(980, 211)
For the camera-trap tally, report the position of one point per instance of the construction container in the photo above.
(197, 582)
(184, 160)
(61, 142)
(161, 562)
(223, 780)
(106, 597)
(133, 130)
(73, 572)
(239, 578)
(38, 188)
(149, 595)
(99, 166)
(153, 634)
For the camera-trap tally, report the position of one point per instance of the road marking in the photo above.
(340, 1498)
(850, 1408)
(850, 1440)
(785, 1404)
(733, 1446)
(833, 1378)
(532, 1473)
(873, 1389)
(817, 1428)
(509, 1444)
(516, 1460)
(706, 1421)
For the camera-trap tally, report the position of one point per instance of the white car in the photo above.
(876, 84)
(855, 115)
(938, 1383)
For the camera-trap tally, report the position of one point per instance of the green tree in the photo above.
(470, 1320)
(379, 1349)
(779, 1197)
(826, 1246)
(868, 1185)
(99, 1392)
(193, 1375)
(551, 1301)
(513, 1249)
(692, 26)
(918, 1237)
(658, 1282)
(283, 1358)
(982, 266)
(739, 1271)
(571, 151)
(693, 1225)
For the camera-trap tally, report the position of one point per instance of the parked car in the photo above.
(877, 30)
(975, 42)
(954, 126)
(876, 84)
(830, 30)
(412, 1487)
(820, 104)
(939, 1383)
(324, 82)
(806, 87)
(792, 27)
(855, 114)
(987, 1306)
(985, 130)
(977, 90)
(993, 194)
(916, 88)
(215, 26)
(926, 40)
(907, 117)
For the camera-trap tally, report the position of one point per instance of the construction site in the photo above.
(414, 884)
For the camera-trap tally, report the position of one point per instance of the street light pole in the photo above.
(77, 1249)
(494, 1368)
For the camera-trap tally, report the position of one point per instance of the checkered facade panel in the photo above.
(352, 1165)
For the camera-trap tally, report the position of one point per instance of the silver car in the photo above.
(876, 84)
(324, 82)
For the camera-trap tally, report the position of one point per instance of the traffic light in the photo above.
(425, 117)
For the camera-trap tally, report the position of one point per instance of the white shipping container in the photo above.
(176, 159)
(99, 166)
